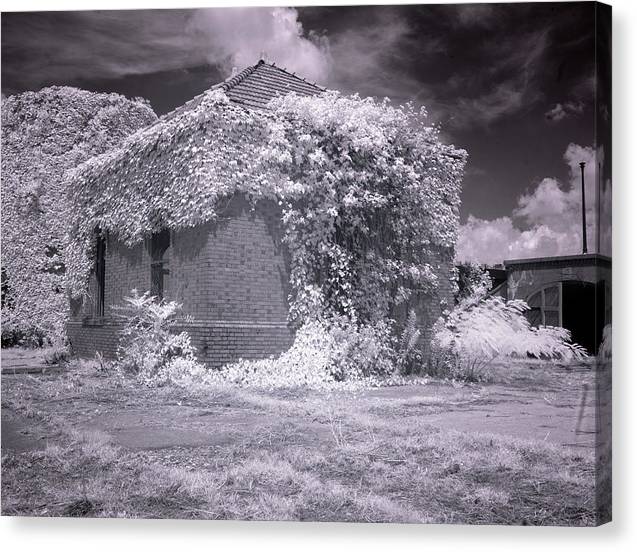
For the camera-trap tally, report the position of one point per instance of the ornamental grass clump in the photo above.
(480, 329)
(148, 349)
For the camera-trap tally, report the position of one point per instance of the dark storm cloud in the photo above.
(512, 83)
(373, 58)
(40, 48)
(562, 111)
(463, 62)
(474, 15)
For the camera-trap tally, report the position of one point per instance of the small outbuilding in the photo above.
(232, 273)
(572, 291)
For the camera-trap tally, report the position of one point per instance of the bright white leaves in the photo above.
(43, 135)
(369, 195)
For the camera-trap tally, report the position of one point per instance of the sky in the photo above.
(513, 84)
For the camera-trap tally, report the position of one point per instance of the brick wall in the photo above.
(230, 275)
(430, 306)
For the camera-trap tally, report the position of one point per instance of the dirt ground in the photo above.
(566, 416)
(194, 429)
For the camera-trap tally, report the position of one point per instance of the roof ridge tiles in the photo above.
(291, 74)
(269, 78)
(274, 80)
(233, 81)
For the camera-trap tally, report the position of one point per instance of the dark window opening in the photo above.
(100, 273)
(584, 313)
(575, 305)
(159, 244)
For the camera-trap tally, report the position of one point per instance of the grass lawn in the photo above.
(114, 449)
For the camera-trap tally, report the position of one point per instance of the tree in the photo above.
(44, 134)
(473, 280)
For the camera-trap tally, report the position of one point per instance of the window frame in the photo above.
(100, 274)
(544, 308)
(159, 244)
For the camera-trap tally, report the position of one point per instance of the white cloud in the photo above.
(492, 241)
(505, 99)
(241, 36)
(547, 221)
(561, 111)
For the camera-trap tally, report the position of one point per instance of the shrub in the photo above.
(15, 333)
(473, 281)
(147, 346)
(409, 356)
(324, 354)
(605, 353)
(57, 354)
(44, 134)
(478, 330)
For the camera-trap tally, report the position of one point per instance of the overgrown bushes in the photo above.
(44, 134)
(335, 352)
(148, 349)
(480, 329)
(325, 353)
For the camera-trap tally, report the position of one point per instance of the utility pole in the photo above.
(584, 248)
(599, 208)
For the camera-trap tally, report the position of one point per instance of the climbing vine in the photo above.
(44, 134)
(369, 194)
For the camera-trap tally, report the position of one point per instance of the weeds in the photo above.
(148, 348)
(322, 458)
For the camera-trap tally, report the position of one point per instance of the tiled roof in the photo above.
(255, 86)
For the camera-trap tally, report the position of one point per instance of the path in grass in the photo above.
(414, 453)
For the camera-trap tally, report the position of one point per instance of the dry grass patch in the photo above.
(324, 457)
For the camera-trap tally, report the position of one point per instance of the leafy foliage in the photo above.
(370, 204)
(473, 280)
(605, 353)
(44, 134)
(147, 346)
(481, 329)
(325, 353)
(409, 358)
(369, 195)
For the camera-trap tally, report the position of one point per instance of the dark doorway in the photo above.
(583, 307)
(159, 244)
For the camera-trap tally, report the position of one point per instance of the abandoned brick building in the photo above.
(231, 275)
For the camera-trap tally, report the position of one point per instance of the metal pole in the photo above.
(599, 208)
(584, 248)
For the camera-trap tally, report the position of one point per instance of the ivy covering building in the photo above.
(44, 134)
(261, 205)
